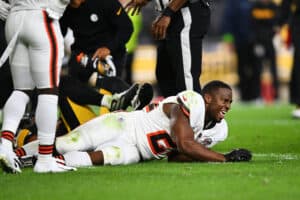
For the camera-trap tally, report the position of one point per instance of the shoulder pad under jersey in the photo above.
(192, 104)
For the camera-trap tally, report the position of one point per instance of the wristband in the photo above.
(168, 12)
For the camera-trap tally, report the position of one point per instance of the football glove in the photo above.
(238, 155)
(103, 67)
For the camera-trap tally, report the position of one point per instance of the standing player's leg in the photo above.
(15, 106)
(46, 53)
(164, 72)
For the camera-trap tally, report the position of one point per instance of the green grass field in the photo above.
(274, 173)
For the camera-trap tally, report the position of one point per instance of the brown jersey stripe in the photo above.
(184, 111)
(53, 65)
(183, 107)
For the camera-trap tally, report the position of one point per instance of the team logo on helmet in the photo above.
(94, 17)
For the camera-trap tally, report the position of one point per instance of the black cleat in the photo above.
(122, 100)
(27, 161)
(143, 96)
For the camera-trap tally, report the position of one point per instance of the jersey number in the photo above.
(160, 142)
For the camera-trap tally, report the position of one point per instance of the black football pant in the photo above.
(177, 70)
(295, 74)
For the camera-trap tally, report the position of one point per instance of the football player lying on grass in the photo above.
(181, 126)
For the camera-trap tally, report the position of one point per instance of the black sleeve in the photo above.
(120, 22)
(277, 15)
(63, 24)
(285, 11)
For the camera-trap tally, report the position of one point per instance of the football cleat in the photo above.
(9, 162)
(121, 101)
(143, 96)
(27, 161)
(51, 164)
(296, 113)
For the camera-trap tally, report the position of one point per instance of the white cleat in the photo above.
(296, 113)
(9, 162)
(51, 164)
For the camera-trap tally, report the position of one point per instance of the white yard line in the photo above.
(280, 156)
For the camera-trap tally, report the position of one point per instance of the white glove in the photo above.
(111, 68)
(4, 10)
(56, 8)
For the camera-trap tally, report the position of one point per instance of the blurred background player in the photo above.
(265, 24)
(238, 34)
(290, 12)
(35, 60)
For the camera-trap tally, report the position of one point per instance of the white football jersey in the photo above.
(127, 137)
(214, 135)
(153, 130)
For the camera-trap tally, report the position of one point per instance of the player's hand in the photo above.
(160, 26)
(101, 53)
(134, 6)
(238, 155)
(4, 10)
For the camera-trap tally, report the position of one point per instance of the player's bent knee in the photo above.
(71, 142)
(114, 155)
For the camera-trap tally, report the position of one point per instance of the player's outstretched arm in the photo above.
(189, 150)
(175, 156)
(184, 138)
(236, 155)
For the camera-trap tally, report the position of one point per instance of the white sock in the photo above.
(31, 148)
(7, 144)
(46, 118)
(13, 110)
(106, 100)
(44, 157)
(78, 159)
